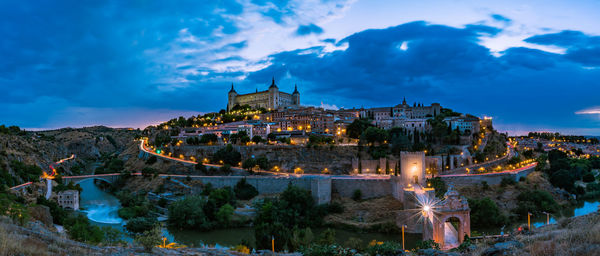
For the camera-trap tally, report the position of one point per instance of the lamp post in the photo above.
(529, 220)
(547, 218)
(403, 227)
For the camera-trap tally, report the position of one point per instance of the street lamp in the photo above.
(403, 227)
(547, 218)
(529, 220)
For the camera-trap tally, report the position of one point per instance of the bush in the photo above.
(384, 249)
(536, 202)
(149, 239)
(228, 155)
(427, 245)
(357, 195)
(484, 185)
(335, 207)
(485, 213)
(79, 228)
(225, 169)
(589, 177)
(244, 191)
(563, 179)
(189, 213)
(439, 185)
(141, 224)
(223, 216)
(151, 160)
(200, 167)
(507, 182)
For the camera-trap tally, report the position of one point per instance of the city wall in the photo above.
(491, 179)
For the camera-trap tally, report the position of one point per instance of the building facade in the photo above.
(269, 99)
(69, 199)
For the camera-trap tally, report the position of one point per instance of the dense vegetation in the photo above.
(294, 211)
(485, 213)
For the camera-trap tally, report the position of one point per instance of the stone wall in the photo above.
(491, 178)
(370, 187)
(320, 187)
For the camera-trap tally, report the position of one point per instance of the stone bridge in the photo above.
(110, 178)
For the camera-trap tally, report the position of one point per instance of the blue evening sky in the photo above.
(531, 65)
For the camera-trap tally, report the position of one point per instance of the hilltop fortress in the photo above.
(269, 99)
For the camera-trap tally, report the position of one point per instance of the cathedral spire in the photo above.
(295, 89)
(232, 90)
(273, 85)
(404, 101)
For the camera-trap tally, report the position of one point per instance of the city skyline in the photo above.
(531, 66)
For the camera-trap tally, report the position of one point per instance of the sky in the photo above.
(531, 65)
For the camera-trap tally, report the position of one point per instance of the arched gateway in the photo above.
(451, 221)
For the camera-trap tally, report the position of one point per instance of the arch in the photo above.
(93, 178)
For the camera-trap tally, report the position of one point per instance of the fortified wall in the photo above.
(337, 159)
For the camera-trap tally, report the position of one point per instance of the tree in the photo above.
(224, 214)
(227, 155)
(357, 127)
(256, 139)
(563, 179)
(373, 134)
(189, 213)
(209, 138)
(248, 164)
(140, 224)
(485, 213)
(244, 191)
(149, 239)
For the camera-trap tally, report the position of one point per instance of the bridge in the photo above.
(109, 178)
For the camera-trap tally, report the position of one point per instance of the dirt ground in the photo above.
(366, 213)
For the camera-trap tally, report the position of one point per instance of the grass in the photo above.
(13, 244)
(571, 236)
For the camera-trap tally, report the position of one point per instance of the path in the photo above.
(450, 236)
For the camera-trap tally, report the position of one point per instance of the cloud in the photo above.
(439, 64)
(580, 47)
(304, 30)
(501, 18)
(589, 111)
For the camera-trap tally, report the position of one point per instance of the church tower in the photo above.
(296, 96)
(231, 99)
(273, 95)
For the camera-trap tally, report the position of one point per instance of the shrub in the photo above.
(225, 169)
(141, 224)
(223, 216)
(228, 155)
(149, 239)
(357, 195)
(200, 167)
(327, 237)
(189, 213)
(439, 185)
(384, 249)
(484, 185)
(79, 228)
(151, 160)
(535, 201)
(485, 213)
(426, 245)
(507, 182)
(335, 207)
(244, 191)
(589, 177)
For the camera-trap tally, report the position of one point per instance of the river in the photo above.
(102, 207)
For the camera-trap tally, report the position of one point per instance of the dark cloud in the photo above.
(430, 63)
(304, 30)
(501, 18)
(580, 47)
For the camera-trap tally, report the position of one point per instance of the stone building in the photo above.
(272, 98)
(69, 199)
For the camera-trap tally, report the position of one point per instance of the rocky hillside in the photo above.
(42, 148)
